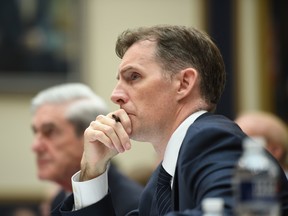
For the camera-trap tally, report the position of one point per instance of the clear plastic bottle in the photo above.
(255, 181)
(212, 206)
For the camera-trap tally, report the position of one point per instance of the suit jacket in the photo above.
(205, 166)
(60, 196)
(125, 194)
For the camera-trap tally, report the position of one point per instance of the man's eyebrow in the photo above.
(47, 126)
(123, 70)
(44, 126)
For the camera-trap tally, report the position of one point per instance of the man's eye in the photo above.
(134, 76)
(48, 132)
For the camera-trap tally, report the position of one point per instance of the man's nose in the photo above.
(37, 144)
(119, 96)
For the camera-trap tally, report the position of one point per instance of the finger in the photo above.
(122, 136)
(114, 131)
(122, 117)
(117, 123)
(92, 135)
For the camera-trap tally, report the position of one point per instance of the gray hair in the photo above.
(84, 105)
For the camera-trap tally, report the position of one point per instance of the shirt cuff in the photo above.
(89, 192)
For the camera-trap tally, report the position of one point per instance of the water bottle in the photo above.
(212, 206)
(256, 181)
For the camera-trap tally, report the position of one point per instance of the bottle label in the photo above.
(260, 189)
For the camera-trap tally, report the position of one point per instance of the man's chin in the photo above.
(44, 176)
(137, 138)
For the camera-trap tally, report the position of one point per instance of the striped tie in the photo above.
(163, 194)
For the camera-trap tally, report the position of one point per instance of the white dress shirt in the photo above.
(175, 142)
(88, 192)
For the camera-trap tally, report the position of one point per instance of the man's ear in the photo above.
(187, 82)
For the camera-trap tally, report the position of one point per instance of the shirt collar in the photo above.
(175, 142)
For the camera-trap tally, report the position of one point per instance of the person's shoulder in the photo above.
(211, 117)
(213, 128)
(210, 134)
(209, 121)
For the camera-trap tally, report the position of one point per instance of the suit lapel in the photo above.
(175, 192)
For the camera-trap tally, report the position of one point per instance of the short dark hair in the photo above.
(180, 47)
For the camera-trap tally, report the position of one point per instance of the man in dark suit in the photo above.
(60, 115)
(169, 82)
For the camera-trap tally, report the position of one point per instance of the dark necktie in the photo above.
(163, 194)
